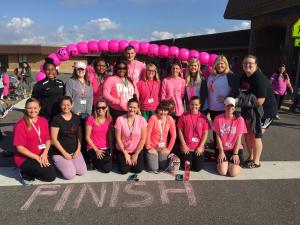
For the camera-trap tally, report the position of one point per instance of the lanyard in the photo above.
(82, 86)
(162, 127)
(132, 127)
(100, 79)
(194, 125)
(192, 91)
(38, 131)
(151, 88)
(125, 82)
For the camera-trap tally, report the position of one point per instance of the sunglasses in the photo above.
(101, 107)
(122, 68)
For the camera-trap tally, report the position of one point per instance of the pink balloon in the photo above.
(72, 50)
(113, 46)
(153, 50)
(40, 76)
(82, 47)
(163, 51)
(184, 54)
(194, 54)
(204, 58)
(122, 45)
(62, 54)
(212, 59)
(144, 47)
(93, 46)
(173, 52)
(135, 45)
(55, 58)
(103, 45)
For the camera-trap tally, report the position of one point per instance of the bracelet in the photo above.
(235, 154)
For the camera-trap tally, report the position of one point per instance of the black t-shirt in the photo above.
(68, 134)
(259, 85)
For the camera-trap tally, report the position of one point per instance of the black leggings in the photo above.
(31, 170)
(279, 100)
(104, 164)
(196, 162)
(125, 168)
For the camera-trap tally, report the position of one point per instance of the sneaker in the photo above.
(25, 181)
(277, 117)
(156, 171)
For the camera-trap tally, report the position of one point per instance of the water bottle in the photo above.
(187, 166)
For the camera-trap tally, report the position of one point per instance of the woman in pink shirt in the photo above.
(229, 129)
(99, 137)
(148, 89)
(32, 143)
(173, 87)
(158, 148)
(280, 83)
(130, 134)
(118, 89)
(192, 133)
(97, 78)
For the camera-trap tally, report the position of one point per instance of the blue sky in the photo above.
(59, 22)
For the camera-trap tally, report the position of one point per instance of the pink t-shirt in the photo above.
(158, 130)
(279, 85)
(148, 92)
(97, 85)
(193, 128)
(228, 129)
(99, 134)
(130, 136)
(117, 93)
(29, 138)
(173, 88)
(136, 70)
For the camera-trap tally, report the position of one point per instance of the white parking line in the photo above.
(270, 170)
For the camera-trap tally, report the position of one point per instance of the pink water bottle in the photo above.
(187, 166)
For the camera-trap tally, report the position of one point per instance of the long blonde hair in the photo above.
(221, 58)
(107, 114)
(26, 116)
(193, 80)
(156, 76)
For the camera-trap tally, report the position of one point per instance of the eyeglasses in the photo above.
(101, 107)
(122, 68)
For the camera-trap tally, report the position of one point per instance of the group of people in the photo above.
(134, 119)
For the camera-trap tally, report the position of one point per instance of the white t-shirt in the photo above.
(217, 85)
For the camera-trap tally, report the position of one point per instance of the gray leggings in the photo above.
(156, 162)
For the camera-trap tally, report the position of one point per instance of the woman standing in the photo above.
(99, 137)
(229, 129)
(195, 84)
(118, 90)
(26, 76)
(66, 139)
(148, 88)
(130, 133)
(256, 84)
(173, 87)
(280, 83)
(49, 91)
(193, 133)
(158, 148)
(32, 143)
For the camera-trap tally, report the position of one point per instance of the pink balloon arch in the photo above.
(118, 46)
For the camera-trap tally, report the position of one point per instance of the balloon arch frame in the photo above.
(118, 46)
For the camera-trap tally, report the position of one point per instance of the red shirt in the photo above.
(193, 126)
(28, 138)
(148, 92)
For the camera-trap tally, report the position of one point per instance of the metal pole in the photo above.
(296, 85)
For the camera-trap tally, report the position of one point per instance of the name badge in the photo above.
(83, 101)
(161, 144)
(195, 140)
(228, 145)
(42, 146)
(150, 100)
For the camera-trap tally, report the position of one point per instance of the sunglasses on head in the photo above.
(101, 107)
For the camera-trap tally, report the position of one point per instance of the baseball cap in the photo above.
(229, 101)
(79, 65)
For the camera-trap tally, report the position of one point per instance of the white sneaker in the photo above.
(277, 117)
